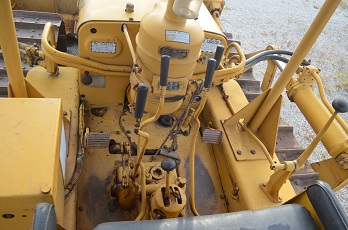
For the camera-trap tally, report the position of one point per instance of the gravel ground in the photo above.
(283, 23)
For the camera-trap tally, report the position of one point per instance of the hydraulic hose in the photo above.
(265, 53)
(80, 155)
(263, 58)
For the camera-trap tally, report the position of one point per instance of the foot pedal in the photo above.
(97, 140)
(212, 136)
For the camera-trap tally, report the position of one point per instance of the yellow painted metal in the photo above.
(108, 32)
(247, 175)
(232, 180)
(31, 170)
(10, 50)
(318, 112)
(59, 57)
(270, 71)
(162, 32)
(300, 53)
(315, 74)
(65, 87)
(301, 92)
(269, 128)
(215, 8)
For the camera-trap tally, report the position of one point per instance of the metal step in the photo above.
(29, 26)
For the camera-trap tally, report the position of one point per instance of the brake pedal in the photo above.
(212, 136)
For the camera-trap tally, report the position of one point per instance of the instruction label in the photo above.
(98, 81)
(209, 45)
(103, 47)
(177, 36)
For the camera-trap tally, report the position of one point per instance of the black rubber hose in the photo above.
(263, 58)
(268, 52)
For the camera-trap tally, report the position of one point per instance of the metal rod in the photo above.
(300, 53)
(9, 46)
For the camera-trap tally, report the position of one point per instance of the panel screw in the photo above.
(239, 152)
(65, 113)
(45, 188)
(253, 151)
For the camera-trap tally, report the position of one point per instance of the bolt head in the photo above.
(45, 188)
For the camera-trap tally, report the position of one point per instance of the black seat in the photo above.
(285, 217)
(327, 207)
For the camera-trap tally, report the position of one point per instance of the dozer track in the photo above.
(287, 147)
(29, 26)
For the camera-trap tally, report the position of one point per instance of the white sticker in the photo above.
(209, 45)
(98, 81)
(63, 151)
(103, 47)
(177, 36)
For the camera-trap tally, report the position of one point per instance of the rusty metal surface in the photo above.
(95, 203)
(29, 26)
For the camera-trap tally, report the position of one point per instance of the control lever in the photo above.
(138, 115)
(285, 170)
(218, 55)
(167, 165)
(209, 73)
(140, 101)
(207, 83)
(165, 61)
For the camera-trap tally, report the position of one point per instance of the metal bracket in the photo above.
(342, 160)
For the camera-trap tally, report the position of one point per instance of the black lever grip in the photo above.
(165, 60)
(340, 105)
(218, 55)
(209, 72)
(141, 100)
(168, 164)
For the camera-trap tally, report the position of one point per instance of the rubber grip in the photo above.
(165, 60)
(340, 105)
(218, 55)
(141, 100)
(209, 72)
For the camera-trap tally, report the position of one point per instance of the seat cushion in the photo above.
(327, 207)
(285, 217)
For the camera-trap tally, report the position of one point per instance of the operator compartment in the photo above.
(32, 161)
